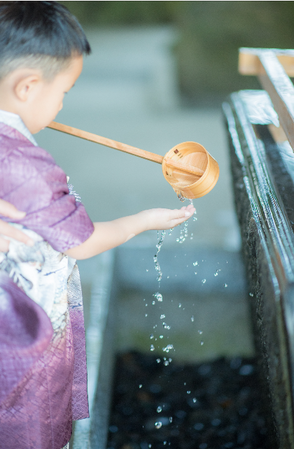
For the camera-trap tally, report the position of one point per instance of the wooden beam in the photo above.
(266, 65)
(249, 63)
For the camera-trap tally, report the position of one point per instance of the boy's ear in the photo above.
(25, 86)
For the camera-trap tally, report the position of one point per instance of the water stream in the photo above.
(161, 235)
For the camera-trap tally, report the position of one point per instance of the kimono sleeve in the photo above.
(26, 332)
(32, 181)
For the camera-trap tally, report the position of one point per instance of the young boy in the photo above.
(42, 352)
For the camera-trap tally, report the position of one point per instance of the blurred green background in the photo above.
(209, 36)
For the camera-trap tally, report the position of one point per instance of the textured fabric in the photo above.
(31, 180)
(43, 379)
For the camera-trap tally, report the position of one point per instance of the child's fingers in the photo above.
(10, 231)
(9, 210)
(187, 211)
(182, 215)
(178, 221)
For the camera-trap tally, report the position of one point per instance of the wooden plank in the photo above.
(275, 81)
(249, 63)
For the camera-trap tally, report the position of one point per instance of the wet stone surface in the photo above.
(207, 406)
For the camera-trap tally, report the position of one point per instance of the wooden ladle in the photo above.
(180, 169)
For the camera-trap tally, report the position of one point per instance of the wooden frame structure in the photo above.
(273, 68)
(262, 167)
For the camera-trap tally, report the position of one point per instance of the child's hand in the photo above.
(110, 234)
(8, 210)
(160, 219)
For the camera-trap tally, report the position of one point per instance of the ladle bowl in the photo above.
(186, 184)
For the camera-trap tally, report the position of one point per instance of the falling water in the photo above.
(160, 239)
(158, 296)
(184, 226)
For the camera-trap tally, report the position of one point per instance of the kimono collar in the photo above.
(14, 120)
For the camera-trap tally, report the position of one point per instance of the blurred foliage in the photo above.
(113, 13)
(210, 34)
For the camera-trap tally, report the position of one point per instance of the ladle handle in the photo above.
(121, 147)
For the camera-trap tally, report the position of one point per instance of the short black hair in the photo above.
(34, 30)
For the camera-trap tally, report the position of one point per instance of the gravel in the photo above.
(158, 403)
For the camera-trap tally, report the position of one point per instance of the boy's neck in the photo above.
(14, 121)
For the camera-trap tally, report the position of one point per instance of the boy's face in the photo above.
(47, 99)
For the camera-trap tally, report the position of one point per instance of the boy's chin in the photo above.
(37, 130)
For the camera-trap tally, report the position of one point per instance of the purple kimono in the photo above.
(43, 378)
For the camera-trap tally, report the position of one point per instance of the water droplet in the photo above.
(146, 314)
(147, 271)
(225, 285)
(251, 294)
(158, 424)
(202, 343)
(183, 232)
(158, 296)
(158, 360)
(203, 281)
(151, 336)
(194, 400)
(194, 215)
(180, 305)
(160, 336)
(162, 316)
(171, 419)
(153, 303)
(159, 409)
(168, 348)
(195, 263)
(181, 197)
(140, 386)
(152, 348)
(189, 392)
(192, 318)
(200, 332)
